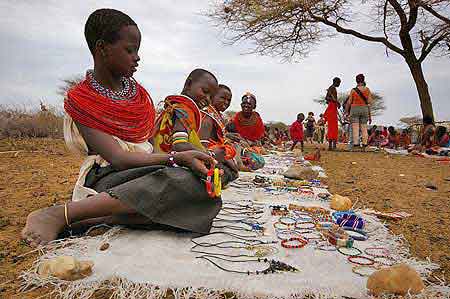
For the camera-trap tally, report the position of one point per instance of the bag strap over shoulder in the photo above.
(356, 89)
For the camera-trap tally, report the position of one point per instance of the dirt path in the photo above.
(44, 174)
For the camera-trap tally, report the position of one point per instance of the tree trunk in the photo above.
(422, 88)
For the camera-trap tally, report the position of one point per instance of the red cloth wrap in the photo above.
(331, 117)
(252, 131)
(296, 131)
(130, 120)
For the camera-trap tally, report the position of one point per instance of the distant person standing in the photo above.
(310, 126)
(359, 108)
(331, 113)
(321, 128)
(296, 131)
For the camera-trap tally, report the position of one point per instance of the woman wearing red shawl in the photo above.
(331, 114)
(248, 123)
(296, 131)
(109, 119)
(250, 130)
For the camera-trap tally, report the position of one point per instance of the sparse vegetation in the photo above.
(21, 123)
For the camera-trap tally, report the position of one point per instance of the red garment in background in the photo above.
(252, 128)
(296, 131)
(130, 120)
(331, 117)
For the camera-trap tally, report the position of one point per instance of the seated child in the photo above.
(212, 132)
(405, 139)
(442, 137)
(393, 138)
(428, 133)
(377, 139)
(178, 126)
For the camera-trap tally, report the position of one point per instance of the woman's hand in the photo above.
(195, 160)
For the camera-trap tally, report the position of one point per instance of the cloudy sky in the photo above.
(43, 42)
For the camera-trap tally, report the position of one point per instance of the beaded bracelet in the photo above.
(301, 243)
(326, 247)
(289, 221)
(355, 253)
(358, 270)
(390, 260)
(171, 159)
(368, 260)
(213, 177)
(280, 226)
(356, 234)
(315, 236)
(284, 235)
(369, 250)
(301, 231)
(305, 225)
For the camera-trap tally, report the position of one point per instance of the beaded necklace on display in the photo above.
(274, 266)
(128, 92)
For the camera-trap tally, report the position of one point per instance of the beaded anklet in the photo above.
(368, 260)
(301, 243)
(356, 251)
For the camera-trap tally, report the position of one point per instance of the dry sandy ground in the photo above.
(44, 173)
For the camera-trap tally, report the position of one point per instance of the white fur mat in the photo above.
(145, 264)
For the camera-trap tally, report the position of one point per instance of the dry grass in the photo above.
(20, 123)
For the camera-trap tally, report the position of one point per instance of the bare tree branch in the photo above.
(357, 34)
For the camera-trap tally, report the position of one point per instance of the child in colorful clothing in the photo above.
(296, 131)
(178, 126)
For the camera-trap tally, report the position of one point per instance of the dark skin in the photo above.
(201, 92)
(332, 96)
(222, 99)
(248, 107)
(111, 62)
(300, 119)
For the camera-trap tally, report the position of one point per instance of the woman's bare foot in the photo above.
(44, 225)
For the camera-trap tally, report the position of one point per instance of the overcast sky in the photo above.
(43, 42)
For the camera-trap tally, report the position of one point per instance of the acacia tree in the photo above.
(377, 107)
(413, 29)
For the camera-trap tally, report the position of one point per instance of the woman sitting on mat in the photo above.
(405, 139)
(442, 137)
(393, 138)
(246, 131)
(248, 123)
(110, 119)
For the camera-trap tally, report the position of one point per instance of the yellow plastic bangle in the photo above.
(217, 182)
(179, 141)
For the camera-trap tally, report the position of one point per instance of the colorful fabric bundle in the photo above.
(252, 161)
(351, 221)
(182, 108)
